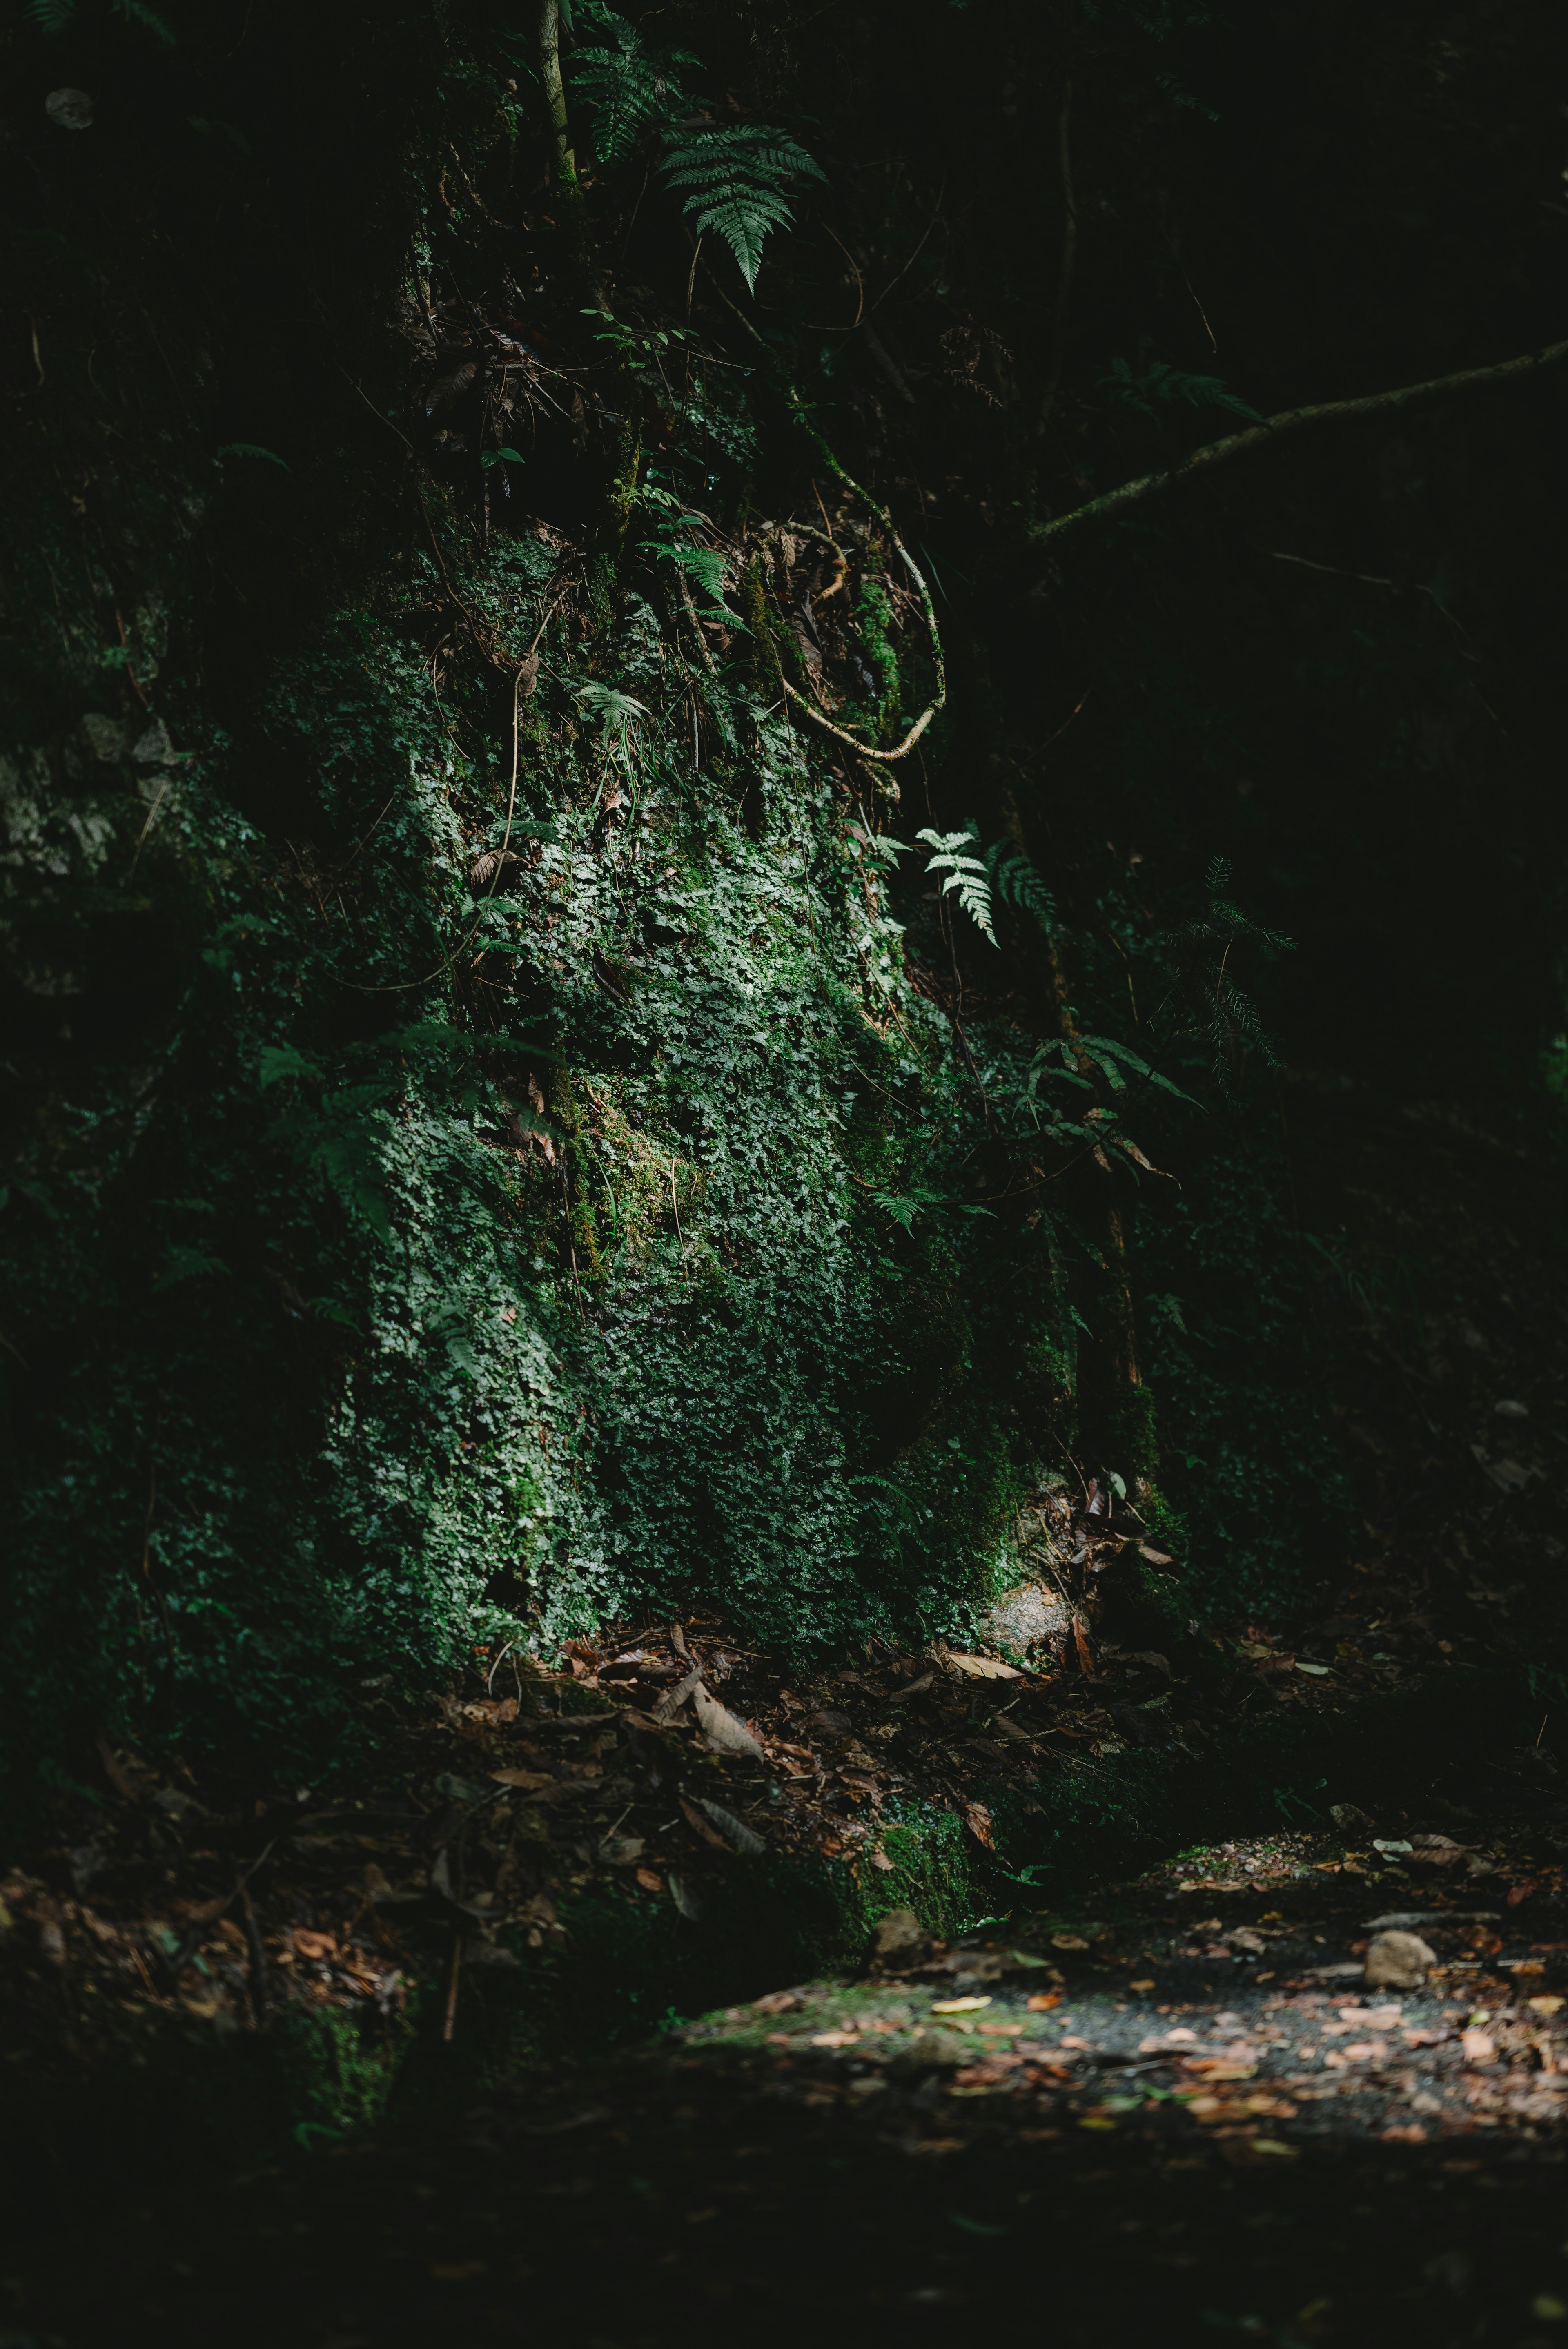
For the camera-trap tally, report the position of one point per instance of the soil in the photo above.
(1179, 2108)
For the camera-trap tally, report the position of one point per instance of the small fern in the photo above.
(55, 15)
(632, 88)
(617, 713)
(954, 855)
(1225, 1014)
(1017, 881)
(732, 178)
(735, 180)
(1162, 386)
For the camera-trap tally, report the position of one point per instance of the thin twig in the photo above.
(1291, 419)
(920, 248)
(256, 1951)
(450, 2022)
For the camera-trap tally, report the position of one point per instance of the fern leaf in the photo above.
(51, 15)
(137, 11)
(734, 180)
(1162, 386)
(631, 87)
(965, 874)
(1017, 881)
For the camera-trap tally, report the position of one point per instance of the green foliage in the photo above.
(58, 15)
(631, 85)
(735, 181)
(1161, 387)
(1017, 881)
(1223, 1012)
(732, 178)
(966, 873)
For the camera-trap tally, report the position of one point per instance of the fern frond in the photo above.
(1017, 881)
(631, 87)
(51, 15)
(137, 11)
(705, 565)
(1162, 386)
(965, 873)
(733, 179)
(616, 712)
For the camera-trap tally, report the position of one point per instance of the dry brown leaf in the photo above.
(984, 1667)
(722, 1731)
(911, 1688)
(979, 1822)
(484, 868)
(1080, 1640)
(693, 1818)
(670, 1704)
(735, 1832)
(530, 1780)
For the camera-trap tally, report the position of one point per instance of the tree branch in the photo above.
(1290, 420)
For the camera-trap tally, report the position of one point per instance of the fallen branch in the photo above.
(1291, 419)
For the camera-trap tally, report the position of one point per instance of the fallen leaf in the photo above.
(979, 1820)
(911, 1688)
(1155, 1556)
(880, 1859)
(1545, 2005)
(984, 1667)
(1069, 1942)
(648, 1881)
(1478, 2047)
(1043, 2000)
(314, 1945)
(735, 1832)
(527, 1779)
(1142, 1985)
(834, 2038)
(670, 1704)
(959, 2005)
(1319, 1672)
(722, 1731)
(693, 1818)
(1080, 1640)
(1521, 1891)
(684, 1899)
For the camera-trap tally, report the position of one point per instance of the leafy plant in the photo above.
(1224, 1012)
(631, 85)
(1162, 387)
(966, 873)
(735, 180)
(1017, 881)
(55, 16)
(732, 177)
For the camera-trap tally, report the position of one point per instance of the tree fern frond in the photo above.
(51, 15)
(965, 873)
(734, 179)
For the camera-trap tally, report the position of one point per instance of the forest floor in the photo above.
(1168, 2108)
(1208, 2123)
